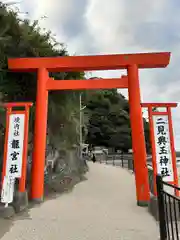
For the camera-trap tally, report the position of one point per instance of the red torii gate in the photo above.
(166, 112)
(131, 62)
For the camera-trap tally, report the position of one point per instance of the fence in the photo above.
(168, 209)
(119, 160)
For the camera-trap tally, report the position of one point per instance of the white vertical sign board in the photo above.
(7, 190)
(15, 145)
(163, 147)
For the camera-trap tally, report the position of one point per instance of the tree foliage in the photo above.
(22, 38)
(109, 123)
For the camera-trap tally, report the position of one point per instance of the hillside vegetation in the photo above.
(24, 38)
(108, 122)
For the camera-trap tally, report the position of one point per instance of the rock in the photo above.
(59, 165)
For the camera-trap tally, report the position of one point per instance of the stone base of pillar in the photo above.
(37, 200)
(143, 203)
(20, 202)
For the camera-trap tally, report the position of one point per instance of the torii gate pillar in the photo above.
(37, 179)
(138, 140)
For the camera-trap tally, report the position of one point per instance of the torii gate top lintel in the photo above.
(159, 105)
(91, 62)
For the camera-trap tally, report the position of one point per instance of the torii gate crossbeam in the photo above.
(87, 84)
(131, 62)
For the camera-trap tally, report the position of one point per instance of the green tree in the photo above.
(109, 123)
(22, 38)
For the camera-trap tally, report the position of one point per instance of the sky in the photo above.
(120, 26)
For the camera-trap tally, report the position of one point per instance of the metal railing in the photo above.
(119, 160)
(168, 209)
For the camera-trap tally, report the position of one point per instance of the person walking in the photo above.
(93, 158)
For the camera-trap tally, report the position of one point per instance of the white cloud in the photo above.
(120, 26)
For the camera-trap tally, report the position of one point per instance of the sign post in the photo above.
(162, 143)
(15, 150)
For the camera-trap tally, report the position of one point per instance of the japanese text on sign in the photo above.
(15, 145)
(163, 148)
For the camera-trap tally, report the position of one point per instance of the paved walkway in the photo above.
(100, 208)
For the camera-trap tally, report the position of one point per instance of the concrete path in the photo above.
(100, 208)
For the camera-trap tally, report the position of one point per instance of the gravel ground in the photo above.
(100, 208)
